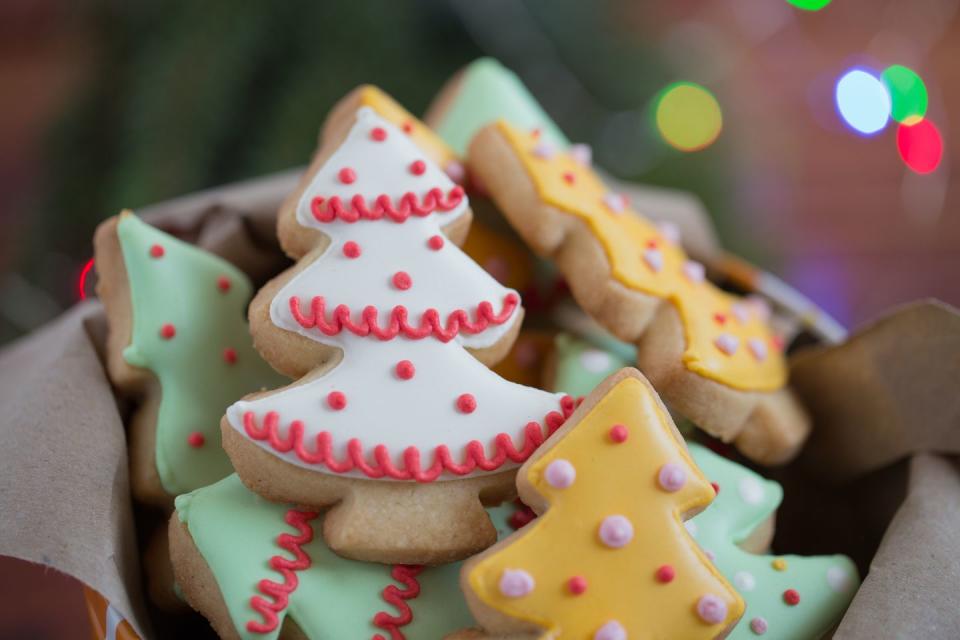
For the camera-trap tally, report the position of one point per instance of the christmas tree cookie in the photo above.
(396, 421)
(713, 356)
(179, 343)
(787, 597)
(259, 570)
(608, 558)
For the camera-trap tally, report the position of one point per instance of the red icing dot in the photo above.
(167, 331)
(651, 244)
(351, 249)
(347, 175)
(716, 487)
(535, 133)
(777, 342)
(405, 370)
(407, 127)
(618, 433)
(378, 134)
(402, 280)
(196, 440)
(569, 178)
(720, 318)
(466, 403)
(224, 284)
(337, 400)
(791, 597)
(230, 355)
(435, 243)
(156, 251)
(577, 585)
(665, 574)
(417, 167)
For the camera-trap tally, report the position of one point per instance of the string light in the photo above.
(863, 101)
(688, 117)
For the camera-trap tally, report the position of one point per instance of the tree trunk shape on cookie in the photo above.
(406, 402)
(608, 557)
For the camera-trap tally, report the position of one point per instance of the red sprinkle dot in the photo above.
(224, 284)
(407, 127)
(569, 178)
(665, 574)
(417, 167)
(337, 400)
(351, 249)
(402, 280)
(156, 251)
(651, 244)
(777, 342)
(435, 243)
(405, 370)
(167, 331)
(618, 433)
(230, 355)
(466, 403)
(196, 440)
(378, 133)
(720, 318)
(791, 597)
(347, 175)
(577, 585)
(535, 133)
(716, 488)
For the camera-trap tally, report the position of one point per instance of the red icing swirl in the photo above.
(328, 210)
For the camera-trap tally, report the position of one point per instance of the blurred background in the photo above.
(818, 133)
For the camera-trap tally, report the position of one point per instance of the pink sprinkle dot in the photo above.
(347, 175)
(196, 440)
(577, 585)
(435, 242)
(351, 249)
(711, 609)
(230, 355)
(671, 477)
(417, 167)
(569, 178)
(167, 331)
(224, 284)
(560, 474)
(612, 630)
(405, 370)
(515, 583)
(758, 626)
(156, 251)
(402, 280)
(466, 403)
(619, 433)
(337, 400)
(378, 134)
(665, 573)
(616, 531)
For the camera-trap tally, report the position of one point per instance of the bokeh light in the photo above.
(688, 116)
(809, 5)
(82, 279)
(908, 94)
(863, 101)
(920, 145)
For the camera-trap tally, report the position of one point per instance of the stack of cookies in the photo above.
(375, 446)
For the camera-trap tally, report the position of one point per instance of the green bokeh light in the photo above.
(908, 94)
(809, 5)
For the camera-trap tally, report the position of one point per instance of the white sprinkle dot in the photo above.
(744, 581)
(750, 490)
(612, 630)
(595, 361)
(694, 271)
(653, 258)
(727, 343)
(838, 579)
(691, 527)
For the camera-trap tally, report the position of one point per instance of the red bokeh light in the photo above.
(920, 145)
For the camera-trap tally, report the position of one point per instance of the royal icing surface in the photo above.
(239, 536)
(597, 556)
(717, 325)
(787, 597)
(486, 92)
(189, 328)
(392, 426)
(422, 135)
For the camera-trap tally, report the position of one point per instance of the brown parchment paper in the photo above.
(64, 494)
